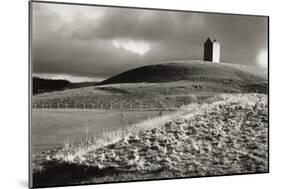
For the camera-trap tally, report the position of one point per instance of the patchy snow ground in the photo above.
(226, 137)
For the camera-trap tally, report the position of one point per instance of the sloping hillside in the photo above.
(170, 83)
(188, 71)
(226, 137)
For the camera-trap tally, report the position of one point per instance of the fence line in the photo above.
(108, 106)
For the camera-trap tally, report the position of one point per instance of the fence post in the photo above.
(66, 105)
(111, 105)
(74, 105)
(84, 105)
(58, 105)
(101, 106)
(141, 106)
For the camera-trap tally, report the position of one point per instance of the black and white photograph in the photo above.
(122, 94)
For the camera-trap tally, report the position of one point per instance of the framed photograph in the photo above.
(121, 94)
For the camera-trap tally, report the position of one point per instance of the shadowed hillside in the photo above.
(187, 70)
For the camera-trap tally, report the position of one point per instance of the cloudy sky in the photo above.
(86, 43)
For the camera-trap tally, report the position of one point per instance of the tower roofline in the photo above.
(208, 40)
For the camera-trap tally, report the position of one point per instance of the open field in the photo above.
(55, 128)
(52, 129)
(225, 137)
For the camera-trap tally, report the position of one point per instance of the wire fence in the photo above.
(109, 106)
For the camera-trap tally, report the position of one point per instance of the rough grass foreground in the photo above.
(225, 137)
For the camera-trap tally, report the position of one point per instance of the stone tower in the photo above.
(211, 51)
(216, 51)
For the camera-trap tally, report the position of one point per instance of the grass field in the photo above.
(225, 137)
(56, 128)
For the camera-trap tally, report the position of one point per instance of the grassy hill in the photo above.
(191, 70)
(173, 83)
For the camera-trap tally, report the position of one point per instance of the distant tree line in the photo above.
(41, 85)
(47, 85)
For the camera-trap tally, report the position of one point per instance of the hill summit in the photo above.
(190, 70)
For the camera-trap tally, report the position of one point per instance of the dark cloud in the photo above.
(79, 40)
